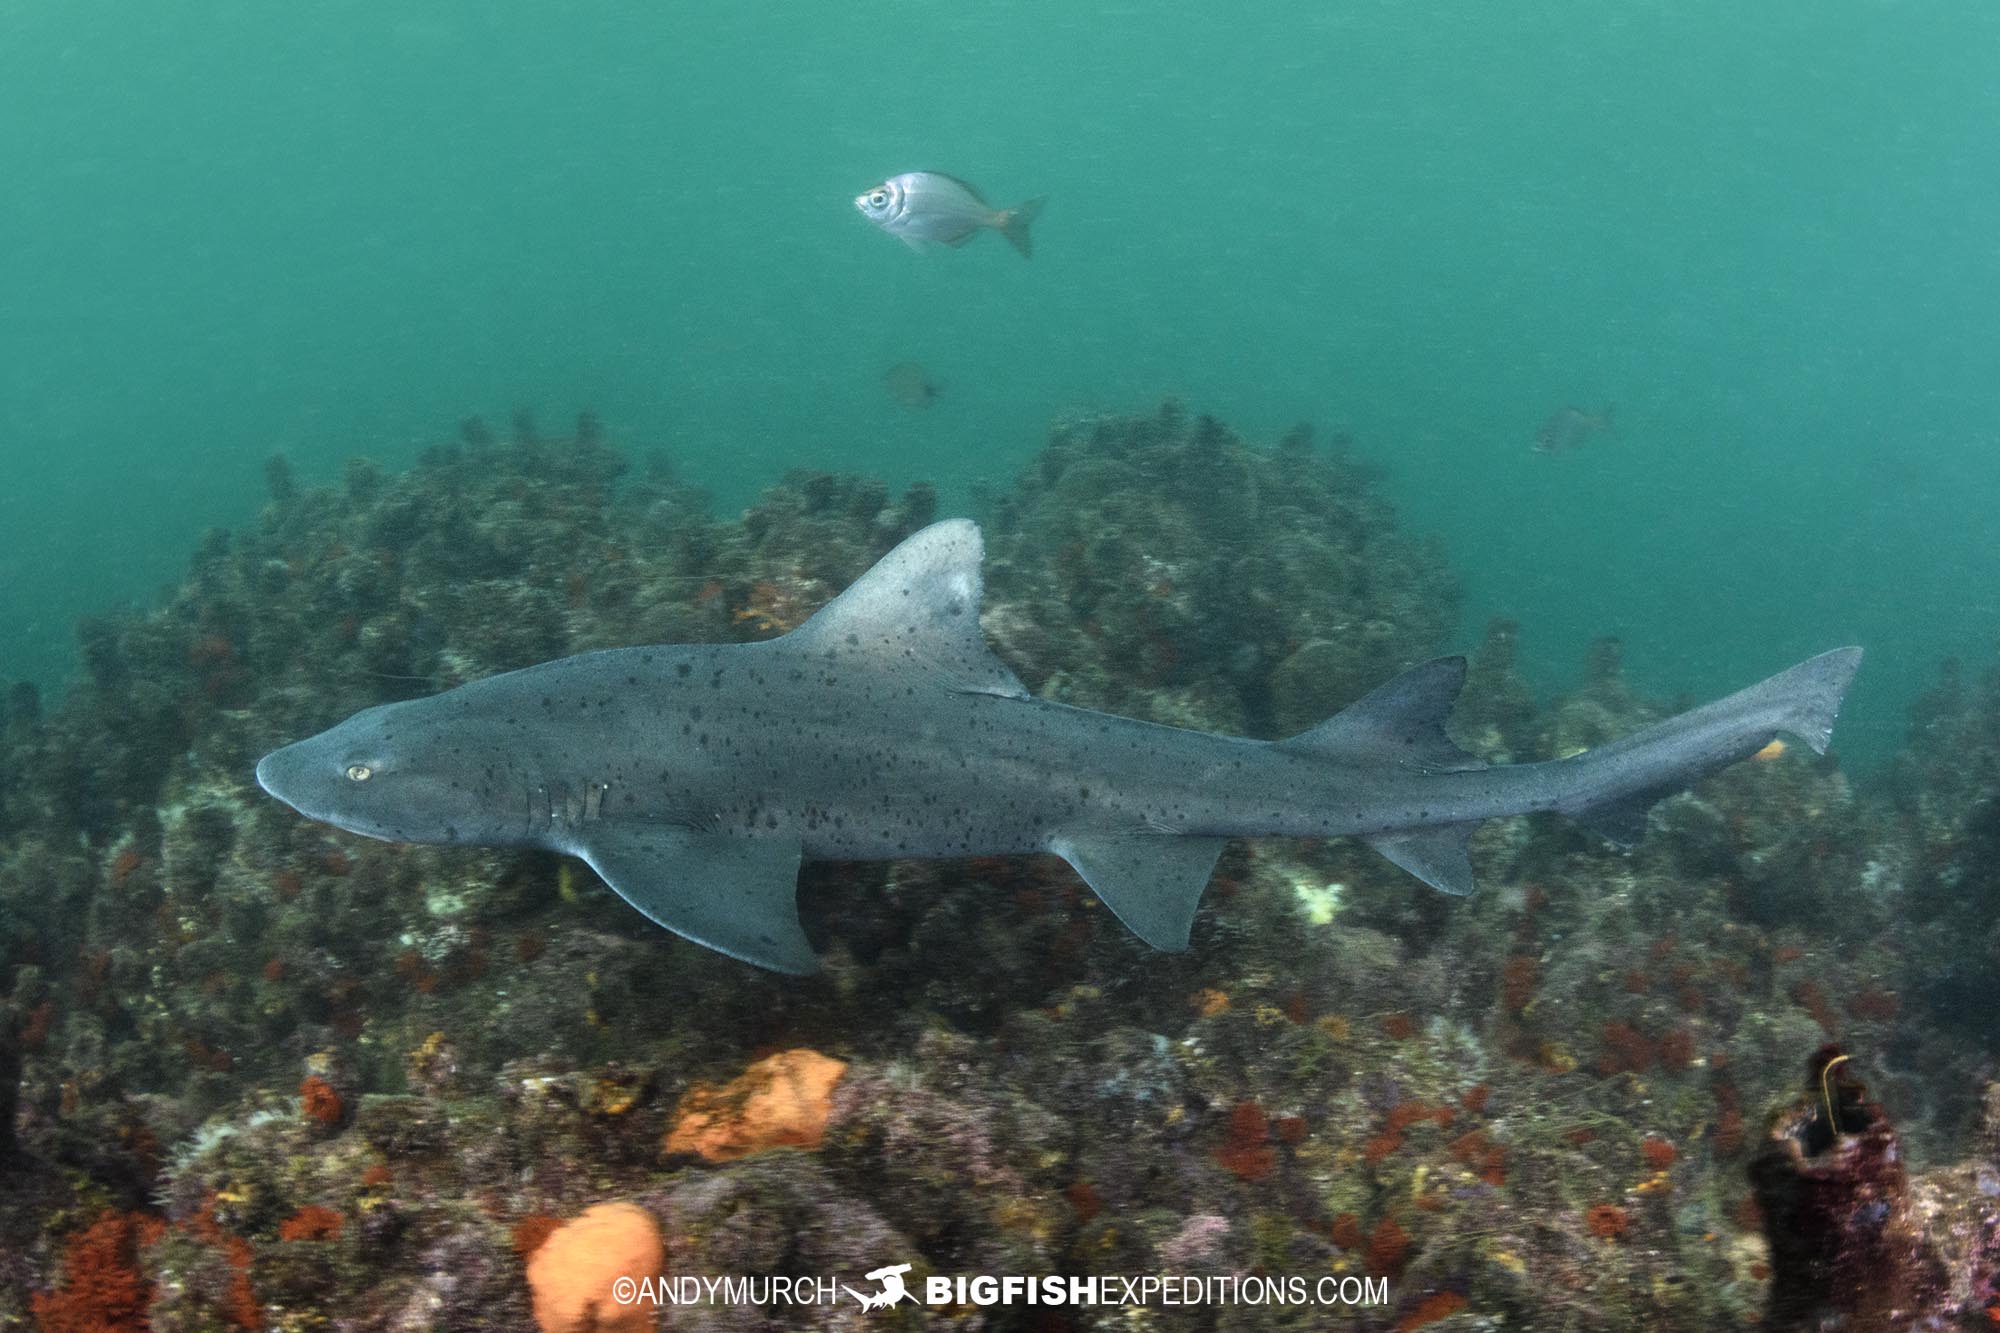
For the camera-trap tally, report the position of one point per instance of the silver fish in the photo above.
(1571, 427)
(920, 206)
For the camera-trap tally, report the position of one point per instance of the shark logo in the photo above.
(892, 1291)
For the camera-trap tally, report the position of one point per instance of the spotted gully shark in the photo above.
(695, 778)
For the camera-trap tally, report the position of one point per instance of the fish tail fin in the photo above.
(1671, 755)
(1609, 418)
(1013, 224)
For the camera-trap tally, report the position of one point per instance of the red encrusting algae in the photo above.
(1607, 1221)
(1441, 1305)
(243, 1311)
(1248, 1153)
(103, 1290)
(318, 1101)
(311, 1222)
(1388, 1249)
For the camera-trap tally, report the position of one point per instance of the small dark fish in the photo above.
(910, 384)
(1570, 427)
(921, 206)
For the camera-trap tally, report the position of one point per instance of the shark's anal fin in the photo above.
(1434, 855)
(1153, 881)
(1400, 722)
(916, 610)
(736, 894)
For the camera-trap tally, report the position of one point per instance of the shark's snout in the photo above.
(286, 773)
(271, 772)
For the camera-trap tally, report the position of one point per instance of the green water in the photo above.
(1766, 232)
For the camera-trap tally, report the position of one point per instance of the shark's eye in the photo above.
(359, 772)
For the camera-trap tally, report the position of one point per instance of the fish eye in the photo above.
(359, 772)
(878, 198)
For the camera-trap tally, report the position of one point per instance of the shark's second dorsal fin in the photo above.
(916, 608)
(1400, 722)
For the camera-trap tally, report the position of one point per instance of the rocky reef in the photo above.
(255, 1072)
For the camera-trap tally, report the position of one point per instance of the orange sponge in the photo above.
(572, 1272)
(782, 1101)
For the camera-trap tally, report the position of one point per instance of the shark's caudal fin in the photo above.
(1807, 697)
(1678, 752)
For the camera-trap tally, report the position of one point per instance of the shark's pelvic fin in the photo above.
(916, 609)
(1152, 881)
(736, 894)
(1400, 722)
(1434, 855)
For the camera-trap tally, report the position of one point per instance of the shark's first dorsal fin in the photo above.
(917, 607)
(1400, 722)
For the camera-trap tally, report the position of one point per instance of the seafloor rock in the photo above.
(1171, 571)
(327, 1075)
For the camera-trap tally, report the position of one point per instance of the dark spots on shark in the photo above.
(631, 680)
(547, 702)
(682, 670)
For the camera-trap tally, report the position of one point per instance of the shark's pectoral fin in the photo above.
(1152, 881)
(916, 612)
(1434, 855)
(735, 894)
